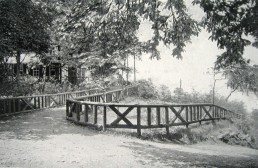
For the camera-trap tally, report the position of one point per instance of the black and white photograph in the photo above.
(128, 83)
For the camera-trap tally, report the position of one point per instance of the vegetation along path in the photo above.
(46, 139)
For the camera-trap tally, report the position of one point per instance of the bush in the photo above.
(164, 93)
(147, 89)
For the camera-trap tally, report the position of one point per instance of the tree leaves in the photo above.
(228, 22)
(243, 78)
(24, 28)
(112, 25)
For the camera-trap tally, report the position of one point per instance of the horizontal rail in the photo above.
(56, 94)
(102, 110)
(15, 105)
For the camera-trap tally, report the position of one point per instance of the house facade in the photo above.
(32, 66)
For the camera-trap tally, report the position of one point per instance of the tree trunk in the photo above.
(134, 70)
(127, 73)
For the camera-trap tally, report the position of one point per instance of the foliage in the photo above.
(164, 93)
(244, 78)
(26, 86)
(254, 124)
(23, 27)
(229, 22)
(92, 31)
(254, 117)
(233, 105)
(146, 89)
(180, 96)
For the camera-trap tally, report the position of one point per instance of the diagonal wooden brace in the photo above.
(207, 112)
(177, 113)
(54, 101)
(27, 104)
(121, 115)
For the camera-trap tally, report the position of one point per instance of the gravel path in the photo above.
(46, 139)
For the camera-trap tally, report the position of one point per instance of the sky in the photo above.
(192, 70)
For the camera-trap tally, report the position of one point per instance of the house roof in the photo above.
(25, 58)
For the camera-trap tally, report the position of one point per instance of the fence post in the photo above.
(158, 115)
(86, 118)
(67, 109)
(139, 121)
(186, 115)
(104, 118)
(167, 120)
(77, 110)
(149, 116)
(95, 107)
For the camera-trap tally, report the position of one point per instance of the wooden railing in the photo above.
(99, 111)
(15, 105)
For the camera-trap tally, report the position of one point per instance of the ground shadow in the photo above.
(40, 125)
(175, 158)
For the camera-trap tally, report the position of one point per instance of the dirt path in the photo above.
(46, 139)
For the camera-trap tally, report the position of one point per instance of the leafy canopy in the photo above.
(23, 28)
(106, 27)
(230, 22)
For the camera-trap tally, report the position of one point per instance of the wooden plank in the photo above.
(139, 121)
(167, 120)
(54, 101)
(86, 116)
(49, 101)
(194, 113)
(67, 109)
(201, 113)
(95, 107)
(77, 111)
(19, 105)
(186, 114)
(35, 102)
(104, 118)
(207, 111)
(149, 116)
(27, 105)
(121, 115)
(191, 114)
(14, 105)
(42, 102)
(135, 126)
(177, 114)
(198, 112)
(38, 102)
(158, 115)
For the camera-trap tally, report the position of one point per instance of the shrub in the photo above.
(147, 89)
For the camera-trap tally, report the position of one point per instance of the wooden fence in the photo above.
(99, 110)
(14, 105)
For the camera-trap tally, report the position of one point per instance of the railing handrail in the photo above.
(136, 105)
(54, 94)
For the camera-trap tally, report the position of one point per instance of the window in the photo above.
(12, 68)
(21, 69)
(52, 70)
(35, 72)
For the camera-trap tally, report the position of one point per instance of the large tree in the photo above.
(230, 23)
(23, 28)
(102, 31)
